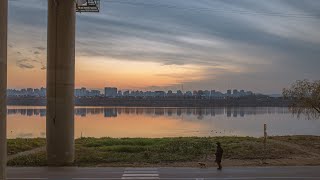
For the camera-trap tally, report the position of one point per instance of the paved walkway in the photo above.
(25, 153)
(241, 173)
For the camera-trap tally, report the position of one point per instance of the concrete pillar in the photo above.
(3, 87)
(60, 82)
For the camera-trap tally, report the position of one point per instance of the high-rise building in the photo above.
(249, 93)
(229, 92)
(188, 93)
(29, 91)
(83, 92)
(95, 93)
(36, 92)
(110, 92)
(179, 93)
(195, 93)
(213, 93)
(242, 93)
(126, 93)
(43, 91)
(200, 93)
(119, 93)
(235, 92)
(206, 93)
(160, 93)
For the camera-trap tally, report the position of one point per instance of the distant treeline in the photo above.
(248, 101)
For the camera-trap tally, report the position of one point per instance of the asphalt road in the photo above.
(241, 173)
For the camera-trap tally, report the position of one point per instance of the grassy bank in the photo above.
(20, 145)
(175, 151)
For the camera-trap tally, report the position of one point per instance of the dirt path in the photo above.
(25, 153)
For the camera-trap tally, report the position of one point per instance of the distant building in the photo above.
(24, 92)
(29, 91)
(213, 93)
(242, 93)
(235, 93)
(206, 93)
(126, 93)
(113, 92)
(83, 92)
(229, 92)
(219, 95)
(200, 93)
(195, 93)
(133, 93)
(179, 93)
(149, 94)
(249, 93)
(110, 92)
(160, 93)
(43, 92)
(119, 93)
(141, 94)
(36, 92)
(95, 93)
(188, 93)
(77, 92)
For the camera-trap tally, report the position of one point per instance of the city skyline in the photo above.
(115, 92)
(200, 44)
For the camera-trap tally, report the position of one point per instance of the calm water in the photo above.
(26, 122)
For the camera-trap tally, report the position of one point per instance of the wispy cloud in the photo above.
(24, 64)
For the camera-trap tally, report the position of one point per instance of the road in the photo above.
(234, 173)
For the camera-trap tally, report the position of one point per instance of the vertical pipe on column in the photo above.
(60, 82)
(3, 86)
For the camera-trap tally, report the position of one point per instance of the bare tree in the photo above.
(305, 98)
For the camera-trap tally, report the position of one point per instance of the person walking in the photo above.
(219, 153)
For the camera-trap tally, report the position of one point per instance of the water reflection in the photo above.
(109, 112)
(26, 122)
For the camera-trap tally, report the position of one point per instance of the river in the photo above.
(29, 122)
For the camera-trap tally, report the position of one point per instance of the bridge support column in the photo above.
(3, 86)
(60, 82)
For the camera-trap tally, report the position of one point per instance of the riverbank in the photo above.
(175, 152)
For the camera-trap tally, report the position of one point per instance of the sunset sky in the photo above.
(261, 46)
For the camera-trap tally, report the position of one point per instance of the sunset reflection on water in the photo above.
(28, 122)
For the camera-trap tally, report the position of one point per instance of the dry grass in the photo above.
(177, 151)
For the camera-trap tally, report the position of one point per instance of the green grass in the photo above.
(38, 159)
(19, 145)
(107, 151)
(306, 141)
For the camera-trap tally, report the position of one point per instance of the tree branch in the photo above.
(314, 107)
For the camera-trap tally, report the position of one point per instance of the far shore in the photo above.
(248, 101)
(174, 152)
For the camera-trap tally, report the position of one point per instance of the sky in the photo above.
(261, 46)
